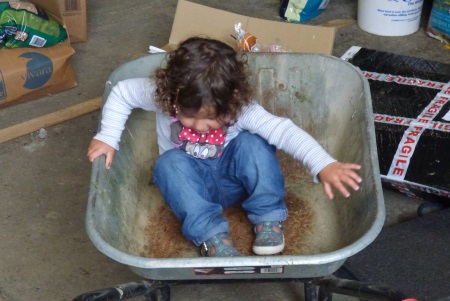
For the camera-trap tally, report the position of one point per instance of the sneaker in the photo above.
(269, 238)
(220, 245)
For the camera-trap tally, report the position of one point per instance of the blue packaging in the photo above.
(298, 11)
(439, 23)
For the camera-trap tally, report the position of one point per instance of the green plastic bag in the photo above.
(22, 24)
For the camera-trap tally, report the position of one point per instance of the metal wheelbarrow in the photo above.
(327, 97)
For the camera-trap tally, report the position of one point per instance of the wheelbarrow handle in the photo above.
(366, 291)
(119, 292)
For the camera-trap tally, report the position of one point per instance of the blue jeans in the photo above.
(197, 190)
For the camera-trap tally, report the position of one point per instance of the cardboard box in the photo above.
(28, 73)
(411, 105)
(193, 19)
(74, 16)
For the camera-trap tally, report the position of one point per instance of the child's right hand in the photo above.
(97, 148)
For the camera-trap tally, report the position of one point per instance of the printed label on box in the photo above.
(39, 69)
(71, 6)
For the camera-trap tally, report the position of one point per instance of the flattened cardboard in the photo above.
(74, 15)
(27, 73)
(193, 19)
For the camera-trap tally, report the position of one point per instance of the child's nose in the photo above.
(201, 126)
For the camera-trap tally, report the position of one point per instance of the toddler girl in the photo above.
(217, 146)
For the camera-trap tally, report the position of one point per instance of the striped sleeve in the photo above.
(285, 135)
(124, 97)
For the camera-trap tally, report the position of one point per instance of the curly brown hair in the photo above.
(203, 72)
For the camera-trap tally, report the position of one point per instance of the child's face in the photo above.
(203, 121)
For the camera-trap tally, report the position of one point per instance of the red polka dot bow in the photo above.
(211, 137)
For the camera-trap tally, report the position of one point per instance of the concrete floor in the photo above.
(45, 252)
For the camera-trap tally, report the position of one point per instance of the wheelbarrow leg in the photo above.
(310, 291)
(153, 296)
(121, 292)
(434, 205)
(324, 295)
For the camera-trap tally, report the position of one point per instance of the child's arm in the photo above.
(124, 97)
(284, 134)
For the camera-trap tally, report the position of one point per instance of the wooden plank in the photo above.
(338, 23)
(62, 115)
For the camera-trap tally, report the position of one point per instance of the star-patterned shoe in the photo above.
(269, 238)
(220, 245)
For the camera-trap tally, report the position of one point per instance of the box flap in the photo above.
(193, 19)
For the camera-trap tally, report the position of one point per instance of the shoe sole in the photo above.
(268, 250)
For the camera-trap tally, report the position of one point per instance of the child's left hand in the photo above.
(338, 175)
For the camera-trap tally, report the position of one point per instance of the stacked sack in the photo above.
(23, 24)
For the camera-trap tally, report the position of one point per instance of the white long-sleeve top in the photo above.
(278, 131)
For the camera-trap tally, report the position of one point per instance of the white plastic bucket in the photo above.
(389, 17)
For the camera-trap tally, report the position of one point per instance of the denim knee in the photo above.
(252, 141)
(166, 163)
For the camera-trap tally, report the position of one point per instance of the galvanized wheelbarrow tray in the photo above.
(324, 95)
